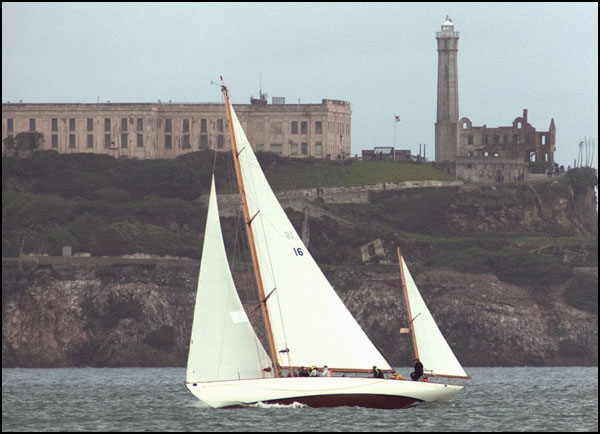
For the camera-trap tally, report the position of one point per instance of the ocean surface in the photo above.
(89, 399)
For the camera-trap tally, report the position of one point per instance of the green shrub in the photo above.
(162, 339)
(582, 293)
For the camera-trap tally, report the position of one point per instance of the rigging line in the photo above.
(214, 162)
(248, 161)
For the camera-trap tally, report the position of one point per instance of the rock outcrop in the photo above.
(66, 312)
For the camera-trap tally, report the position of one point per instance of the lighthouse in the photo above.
(447, 132)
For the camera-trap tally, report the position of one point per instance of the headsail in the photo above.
(311, 325)
(223, 345)
(434, 352)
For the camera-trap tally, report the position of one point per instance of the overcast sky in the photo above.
(382, 57)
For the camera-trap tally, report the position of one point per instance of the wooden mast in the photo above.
(248, 220)
(410, 318)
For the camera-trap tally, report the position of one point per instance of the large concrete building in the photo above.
(166, 130)
(481, 153)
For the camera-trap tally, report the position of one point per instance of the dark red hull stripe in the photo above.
(386, 402)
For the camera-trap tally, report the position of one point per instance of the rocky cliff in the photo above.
(59, 312)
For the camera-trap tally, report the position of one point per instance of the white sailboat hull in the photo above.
(322, 392)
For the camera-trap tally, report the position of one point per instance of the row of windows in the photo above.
(139, 123)
(203, 143)
(297, 127)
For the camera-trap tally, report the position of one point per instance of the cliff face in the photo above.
(60, 312)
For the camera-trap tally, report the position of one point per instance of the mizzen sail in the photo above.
(434, 352)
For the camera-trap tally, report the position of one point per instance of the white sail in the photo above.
(223, 344)
(434, 351)
(307, 316)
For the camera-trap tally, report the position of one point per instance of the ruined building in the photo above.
(166, 130)
(482, 153)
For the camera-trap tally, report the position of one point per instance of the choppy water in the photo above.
(496, 399)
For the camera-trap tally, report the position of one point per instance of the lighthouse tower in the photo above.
(447, 132)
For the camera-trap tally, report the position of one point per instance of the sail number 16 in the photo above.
(298, 251)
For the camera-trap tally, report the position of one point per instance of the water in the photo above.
(496, 399)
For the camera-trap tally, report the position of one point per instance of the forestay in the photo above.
(310, 324)
(434, 351)
(223, 344)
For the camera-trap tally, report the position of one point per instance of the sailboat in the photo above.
(306, 322)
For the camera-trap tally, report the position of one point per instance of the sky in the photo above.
(381, 57)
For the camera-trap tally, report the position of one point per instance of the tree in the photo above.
(26, 141)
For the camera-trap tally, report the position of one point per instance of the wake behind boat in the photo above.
(228, 365)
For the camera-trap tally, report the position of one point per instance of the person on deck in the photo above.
(314, 372)
(377, 373)
(417, 374)
(303, 372)
(326, 372)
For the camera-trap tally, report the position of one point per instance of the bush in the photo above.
(162, 339)
(582, 178)
(582, 293)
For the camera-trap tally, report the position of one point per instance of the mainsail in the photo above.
(434, 352)
(223, 345)
(310, 324)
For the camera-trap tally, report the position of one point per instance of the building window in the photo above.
(203, 141)
(220, 125)
(124, 140)
(72, 143)
(294, 148)
(90, 124)
(106, 124)
(470, 140)
(277, 127)
(186, 142)
(203, 125)
(318, 149)
(54, 140)
(54, 123)
(140, 140)
(123, 124)
(318, 127)
(90, 140)
(260, 147)
(72, 124)
(31, 124)
(277, 148)
(168, 142)
(294, 127)
(140, 124)
(544, 140)
(9, 125)
(485, 139)
(303, 127)
(220, 141)
(167, 125)
(107, 140)
(186, 125)
(304, 148)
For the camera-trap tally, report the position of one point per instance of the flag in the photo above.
(397, 118)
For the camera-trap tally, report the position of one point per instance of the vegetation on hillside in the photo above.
(110, 207)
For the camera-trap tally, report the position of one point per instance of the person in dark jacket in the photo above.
(377, 373)
(417, 374)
